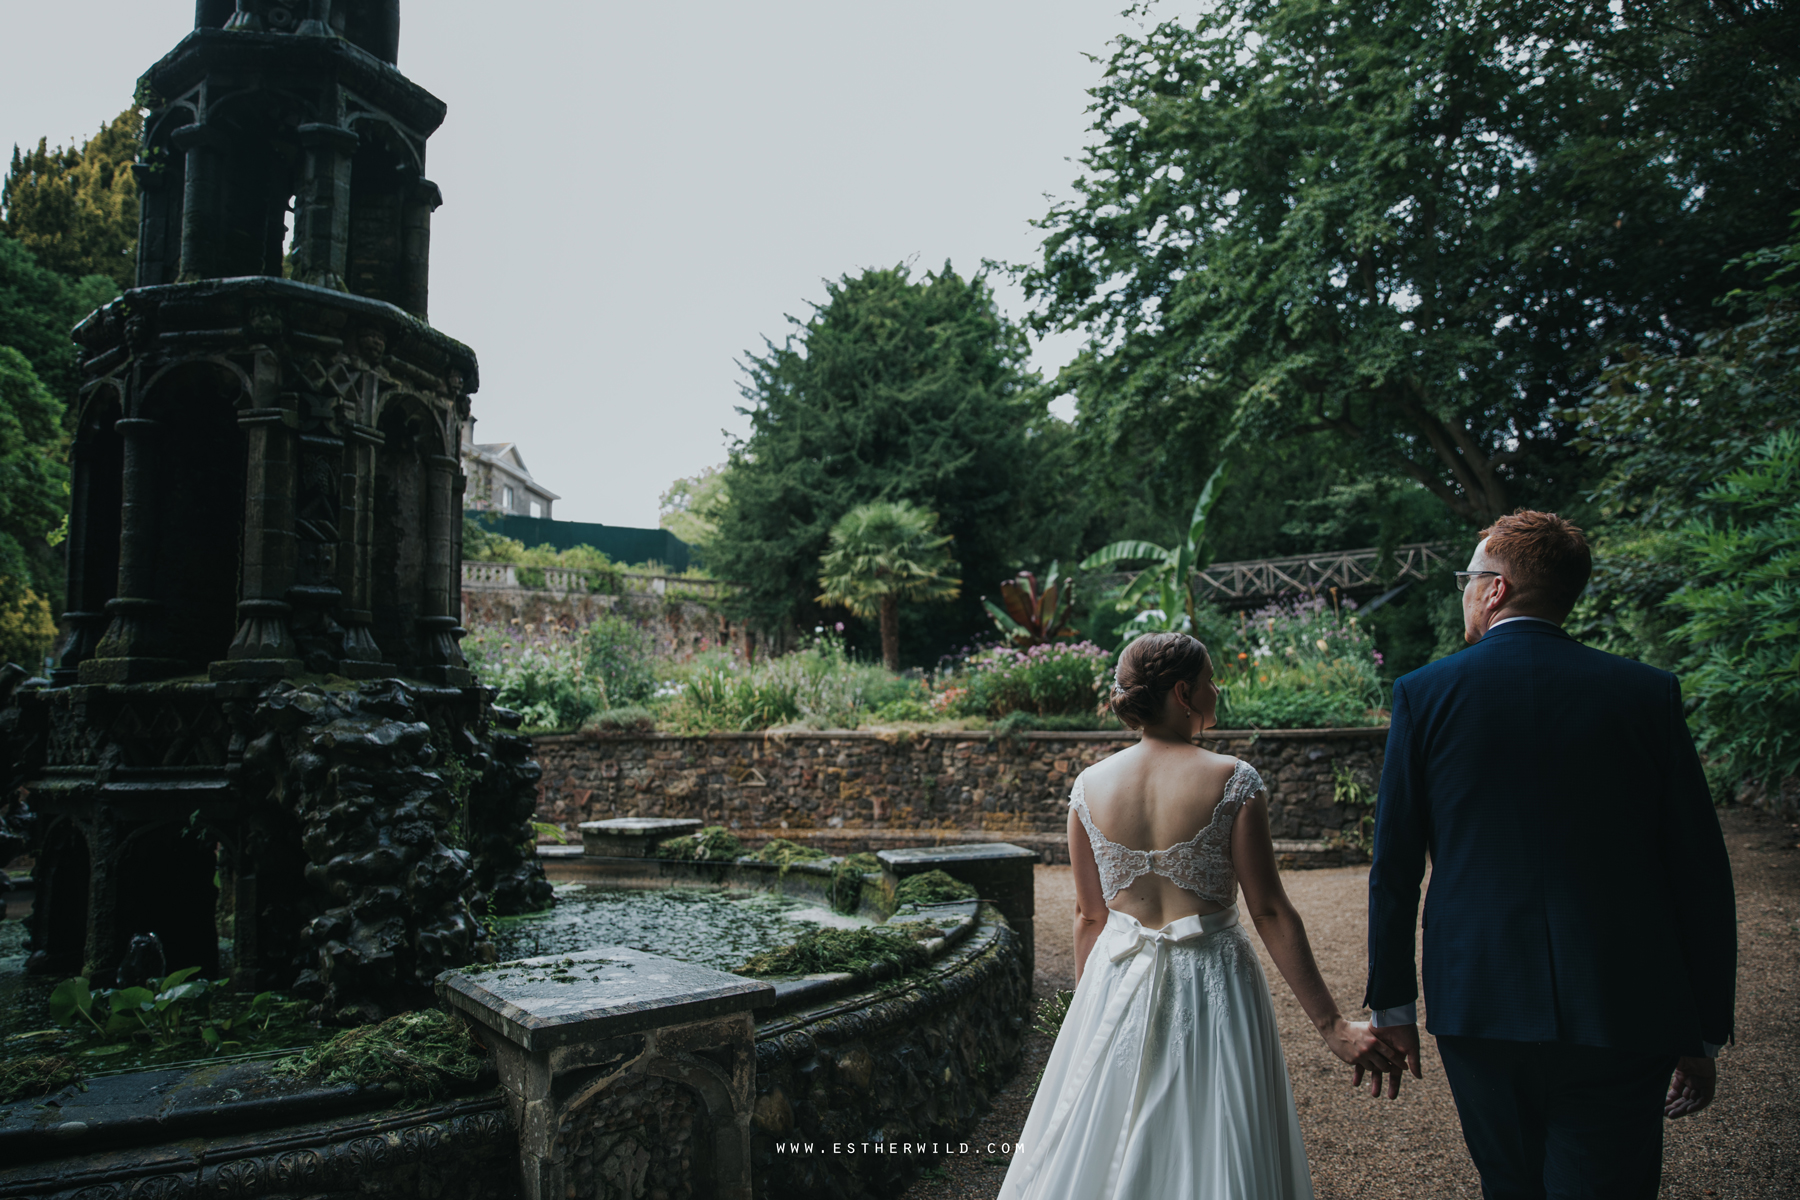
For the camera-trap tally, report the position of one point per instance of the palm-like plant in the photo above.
(1034, 616)
(881, 554)
(1163, 593)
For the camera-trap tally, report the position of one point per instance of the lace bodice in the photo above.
(1201, 865)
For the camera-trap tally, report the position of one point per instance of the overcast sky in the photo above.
(635, 195)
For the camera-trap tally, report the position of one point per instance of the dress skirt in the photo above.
(1167, 1080)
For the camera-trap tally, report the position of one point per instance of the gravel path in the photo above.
(1747, 1145)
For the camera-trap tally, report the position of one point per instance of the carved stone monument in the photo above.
(261, 741)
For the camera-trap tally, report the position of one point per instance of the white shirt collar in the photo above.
(1510, 620)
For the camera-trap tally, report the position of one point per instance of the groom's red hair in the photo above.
(1545, 557)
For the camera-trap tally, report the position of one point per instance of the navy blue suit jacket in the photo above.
(1580, 889)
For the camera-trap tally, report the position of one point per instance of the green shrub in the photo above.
(715, 843)
(1288, 703)
(907, 709)
(819, 685)
(1062, 677)
(1741, 618)
(619, 658)
(728, 700)
(633, 717)
(931, 887)
(856, 951)
(1299, 664)
(544, 679)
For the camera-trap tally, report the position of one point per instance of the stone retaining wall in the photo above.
(679, 629)
(869, 789)
(899, 1068)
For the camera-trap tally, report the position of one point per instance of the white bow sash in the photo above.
(1123, 938)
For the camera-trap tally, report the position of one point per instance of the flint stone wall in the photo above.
(677, 628)
(846, 791)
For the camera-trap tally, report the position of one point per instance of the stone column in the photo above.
(135, 645)
(322, 206)
(444, 660)
(422, 199)
(356, 573)
(264, 647)
(587, 1042)
(84, 619)
(203, 201)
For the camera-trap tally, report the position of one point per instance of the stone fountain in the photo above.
(260, 741)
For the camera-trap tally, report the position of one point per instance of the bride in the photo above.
(1167, 1079)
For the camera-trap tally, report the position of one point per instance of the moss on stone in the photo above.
(856, 951)
(715, 843)
(39, 1075)
(931, 887)
(785, 853)
(847, 880)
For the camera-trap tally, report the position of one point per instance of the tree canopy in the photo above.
(33, 499)
(881, 554)
(894, 389)
(1416, 225)
(76, 209)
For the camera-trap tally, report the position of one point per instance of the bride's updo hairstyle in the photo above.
(1148, 668)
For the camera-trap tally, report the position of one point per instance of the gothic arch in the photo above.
(197, 485)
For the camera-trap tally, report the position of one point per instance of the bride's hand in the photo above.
(1355, 1042)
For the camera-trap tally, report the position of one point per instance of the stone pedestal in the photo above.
(626, 1074)
(998, 871)
(632, 837)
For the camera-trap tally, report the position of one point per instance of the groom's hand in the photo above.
(1403, 1042)
(1692, 1086)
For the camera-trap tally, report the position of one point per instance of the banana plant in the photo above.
(1034, 616)
(1162, 594)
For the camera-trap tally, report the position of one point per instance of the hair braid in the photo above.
(1148, 668)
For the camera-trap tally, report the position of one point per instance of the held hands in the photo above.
(1399, 1046)
(1691, 1088)
(1373, 1050)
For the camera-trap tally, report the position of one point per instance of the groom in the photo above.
(1580, 927)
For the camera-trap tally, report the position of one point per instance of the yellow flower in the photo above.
(1321, 644)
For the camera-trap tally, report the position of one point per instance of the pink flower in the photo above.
(840, 627)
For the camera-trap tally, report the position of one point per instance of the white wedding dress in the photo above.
(1167, 1080)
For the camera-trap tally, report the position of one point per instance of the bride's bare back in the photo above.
(1153, 797)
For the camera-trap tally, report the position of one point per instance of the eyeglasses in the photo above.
(1463, 578)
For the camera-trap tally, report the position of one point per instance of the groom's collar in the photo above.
(1524, 625)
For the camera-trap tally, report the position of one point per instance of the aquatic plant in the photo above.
(932, 887)
(714, 843)
(421, 1055)
(856, 951)
(38, 1075)
(785, 854)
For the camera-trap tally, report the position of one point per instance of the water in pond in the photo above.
(708, 928)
